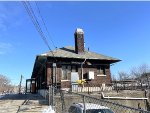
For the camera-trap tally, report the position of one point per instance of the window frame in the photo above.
(101, 70)
(67, 69)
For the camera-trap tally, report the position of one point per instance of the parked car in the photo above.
(90, 108)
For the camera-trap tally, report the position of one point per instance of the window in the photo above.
(65, 72)
(74, 68)
(101, 70)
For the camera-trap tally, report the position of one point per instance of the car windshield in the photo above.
(99, 111)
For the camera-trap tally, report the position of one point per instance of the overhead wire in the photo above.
(38, 26)
(35, 22)
(39, 12)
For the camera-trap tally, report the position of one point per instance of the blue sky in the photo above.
(117, 29)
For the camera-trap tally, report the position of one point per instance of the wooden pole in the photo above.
(20, 84)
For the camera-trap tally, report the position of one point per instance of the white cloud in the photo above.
(1, 53)
(5, 45)
(2, 26)
(5, 48)
(3, 17)
(10, 15)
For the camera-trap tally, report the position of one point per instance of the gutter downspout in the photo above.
(82, 68)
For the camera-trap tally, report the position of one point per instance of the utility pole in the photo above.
(53, 83)
(20, 84)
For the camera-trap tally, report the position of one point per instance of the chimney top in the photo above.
(79, 30)
(79, 40)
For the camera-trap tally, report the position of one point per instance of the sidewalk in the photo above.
(23, 103)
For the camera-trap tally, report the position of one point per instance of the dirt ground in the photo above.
(129, 93)
(22, 103)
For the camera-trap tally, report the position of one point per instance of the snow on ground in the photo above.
(48, 110)
(1, 95)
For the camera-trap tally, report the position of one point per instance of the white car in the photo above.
(90, 108)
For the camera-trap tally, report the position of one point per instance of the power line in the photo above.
(38, 10)
(36, 24)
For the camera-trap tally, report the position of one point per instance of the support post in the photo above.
(147, 81)
(26, 88)
(84, 111)
(49, 92)
(62, 100)
(53, 83)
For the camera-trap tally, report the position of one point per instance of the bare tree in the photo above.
(113, 78)
(137, 72)
(144, 68)
(4, 83)
(123, 75)
(140, 74)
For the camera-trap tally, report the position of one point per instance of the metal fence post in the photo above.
(62, 101)
(49, 95)
(52, 96)
(84, 111)
(147, 101)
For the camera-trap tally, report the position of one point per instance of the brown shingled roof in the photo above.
(69, 52)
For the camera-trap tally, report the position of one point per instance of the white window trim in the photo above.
(101, 75)
(64, 80)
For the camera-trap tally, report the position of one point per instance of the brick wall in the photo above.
(98, 80)
(49, 73)
(79, 43)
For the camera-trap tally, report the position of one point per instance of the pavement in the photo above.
(22, 103)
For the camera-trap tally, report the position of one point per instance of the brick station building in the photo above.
(64, 66)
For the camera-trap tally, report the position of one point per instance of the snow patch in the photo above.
(79, 30)
(1, 96)
(48, 110)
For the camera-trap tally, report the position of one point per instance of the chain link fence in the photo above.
(89, 104)
(62, 100)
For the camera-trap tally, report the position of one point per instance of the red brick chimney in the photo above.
(79, 41)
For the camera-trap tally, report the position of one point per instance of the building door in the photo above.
(74, 78)
(30, 86)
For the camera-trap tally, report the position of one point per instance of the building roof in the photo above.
(69, 52)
